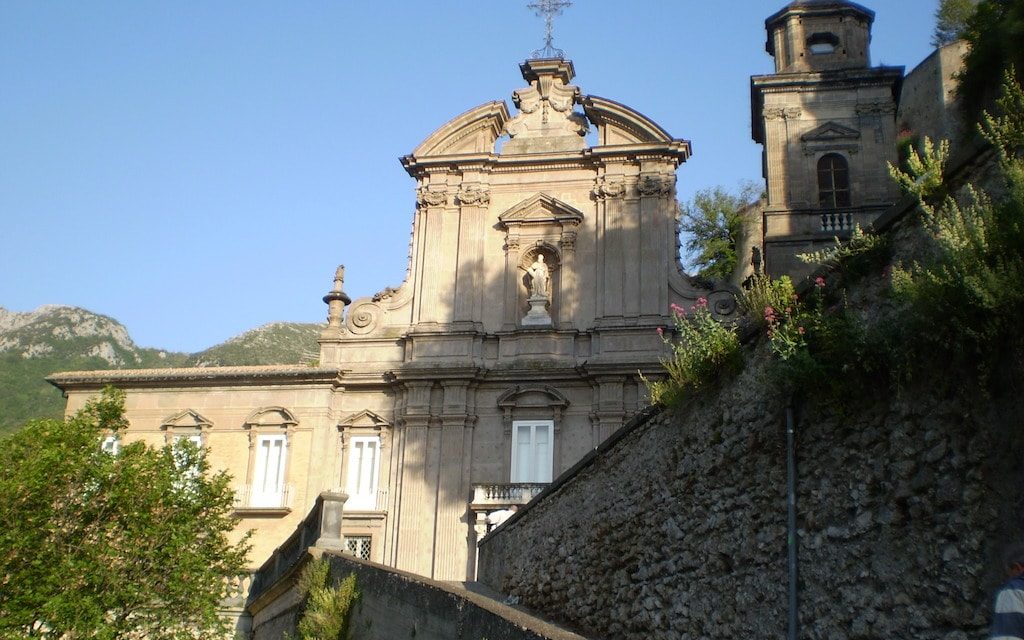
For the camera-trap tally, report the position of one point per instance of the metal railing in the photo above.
(248, 498)
(374, 502)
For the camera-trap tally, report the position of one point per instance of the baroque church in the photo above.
(539, 270)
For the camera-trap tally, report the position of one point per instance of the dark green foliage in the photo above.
(995, 33)
(277, 343)
(713, 224)
(951, 20)
(102, 546)
(966, 299)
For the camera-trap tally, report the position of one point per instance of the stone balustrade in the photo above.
(503, 495)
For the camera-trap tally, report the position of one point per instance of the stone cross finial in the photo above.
(339, 277)
(548, 9)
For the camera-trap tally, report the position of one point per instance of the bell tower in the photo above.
(827, 122)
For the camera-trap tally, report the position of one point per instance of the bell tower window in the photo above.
(833, 181)
(822, 43)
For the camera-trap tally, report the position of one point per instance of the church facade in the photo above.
(540, 268)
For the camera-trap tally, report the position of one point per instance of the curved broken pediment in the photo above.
(475, 131)
(271, 417)
(532, 396)
(618, 124)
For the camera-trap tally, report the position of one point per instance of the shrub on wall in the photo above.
(703, 349)
(325, 615)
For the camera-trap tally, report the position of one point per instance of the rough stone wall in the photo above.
(928, 104)
(678, 530)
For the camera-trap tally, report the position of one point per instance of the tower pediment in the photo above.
(829, 132)
(540, 209)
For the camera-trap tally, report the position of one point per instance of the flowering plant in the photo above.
(702, 349)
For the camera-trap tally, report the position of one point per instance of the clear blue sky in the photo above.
(197, 169)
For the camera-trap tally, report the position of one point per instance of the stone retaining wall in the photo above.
(679, 529)
(395, 604)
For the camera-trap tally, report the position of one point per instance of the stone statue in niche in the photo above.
(539, 278)
(539, 288)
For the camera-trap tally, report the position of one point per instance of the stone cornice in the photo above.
(817, 81)
(675, 150)
(194, 376)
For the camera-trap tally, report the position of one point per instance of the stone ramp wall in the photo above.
(394, 604)
(678, 529)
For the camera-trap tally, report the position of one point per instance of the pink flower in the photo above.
(800, 330)
(819, 282)
(702, 302)
(676, 309)
(661, 332)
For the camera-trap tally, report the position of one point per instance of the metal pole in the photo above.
(791, 520)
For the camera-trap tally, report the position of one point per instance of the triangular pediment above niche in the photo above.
(829, 132)
(186, 419)
(541, 209)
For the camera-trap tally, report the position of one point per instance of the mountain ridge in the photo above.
(53, 337)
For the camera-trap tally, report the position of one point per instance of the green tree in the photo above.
(98, 545)
(713, 225)
(995, 32)
(951, 20)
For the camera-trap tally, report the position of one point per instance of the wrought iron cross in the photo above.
(548, 9)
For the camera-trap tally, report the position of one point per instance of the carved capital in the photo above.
(512, 242)
(656, 184)
(568, 240)
(780, 113)
(606, 187)
(876, 107)
(474, 195)
(425, 197)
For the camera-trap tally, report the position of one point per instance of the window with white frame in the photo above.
(189, 467)
(111, 444)
(268, 488)
(532, 446)
(363, 472)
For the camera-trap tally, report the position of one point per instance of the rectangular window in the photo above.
(363, 469)
(268, 475)
(111, 445)
(358, 546)
(179, 456)
(532, 446)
